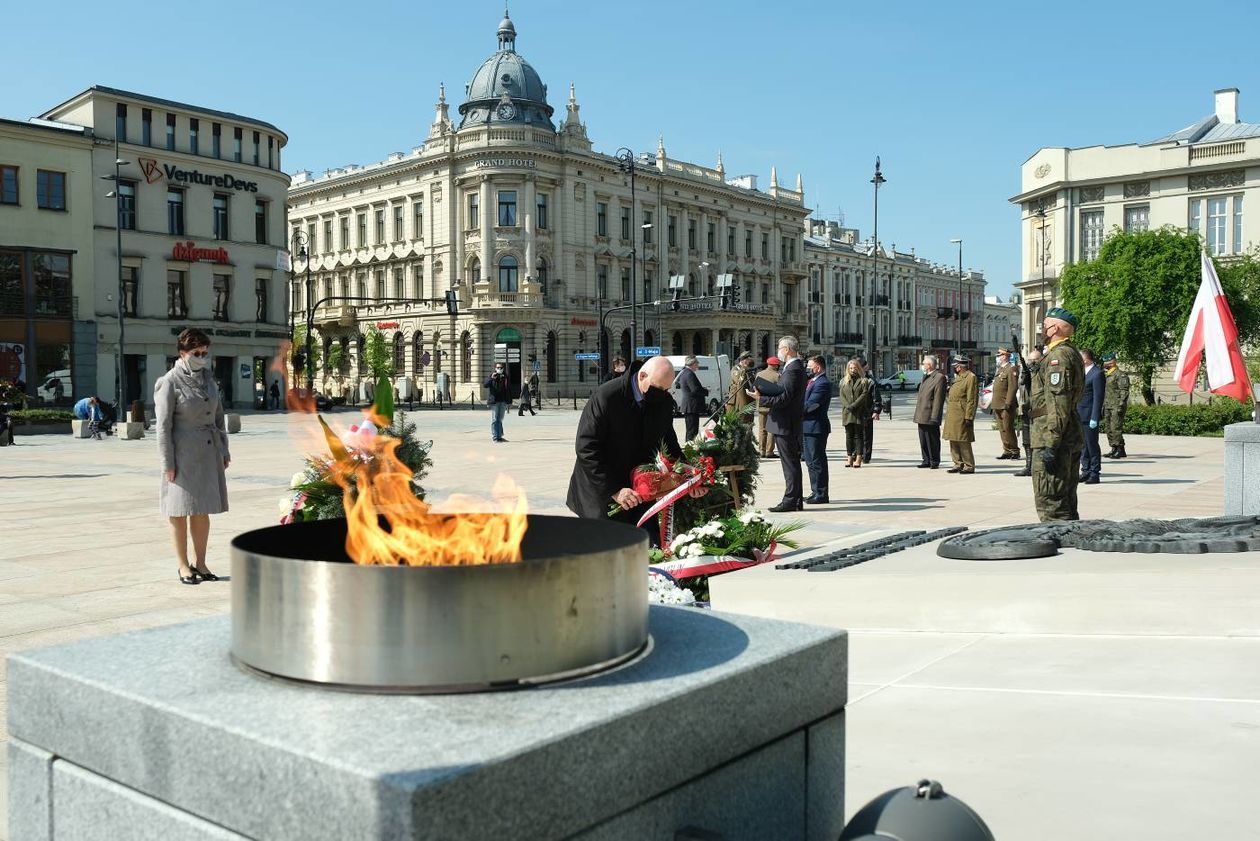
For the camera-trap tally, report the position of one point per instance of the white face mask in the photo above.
(197, 363)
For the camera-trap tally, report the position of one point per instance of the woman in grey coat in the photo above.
(193, 442)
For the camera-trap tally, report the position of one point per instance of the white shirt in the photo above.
(1089, 368)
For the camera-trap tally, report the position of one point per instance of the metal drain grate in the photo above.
(869, 551)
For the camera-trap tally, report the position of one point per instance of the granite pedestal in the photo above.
(729, 724)
(80, 428)
(1242, 468)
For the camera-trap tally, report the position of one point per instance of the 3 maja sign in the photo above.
(154, 172)
(188, 252)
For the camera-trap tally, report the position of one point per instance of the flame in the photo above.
(387, 524)
(296, 398)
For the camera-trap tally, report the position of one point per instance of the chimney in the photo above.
(1227, 105)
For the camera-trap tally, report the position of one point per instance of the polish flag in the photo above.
(1211, 330)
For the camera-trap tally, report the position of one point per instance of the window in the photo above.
(380, 226)
(271, 145)
(474, 210)
(748, 244)
(260, 224)
(257, 158)
(194, 131)
(345, 232)
(540, 274)
(601, 219)
(8, 184)
(730, 239)
(222, 288)
(507, 208)
(541, 219)
(399, 233)
(260, 295)
(417, 207)
(625, 284)
(765, 246)
(691, 234)
(417, 275)
(175, 211)
(362, 230)
(1091, 233)
(216, 132)
(146, 127)
(1137, 217)
(127, 205)
(329, 246)
(507, 274)
(170, 131)
(130, 290)
(176, 300)
(647, 227)
(625, 223)
(52, 284)
(120, 122)
(220, 216)
(380, 286)
(671, 229)
(236, 144)
(400, 354)
(12, 288)
(1196, 211)
(601, 281)
(361, 285)
(709, 238)
(1216, 225)
(50, 189)
(1238, 228)
(400, 286)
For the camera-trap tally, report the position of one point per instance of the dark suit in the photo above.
(927, 414)
(868, 428)
(693, 405)
(815, 427)
(787, 412)
(615, 435)
(1090, 408)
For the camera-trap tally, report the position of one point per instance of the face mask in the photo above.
(498, 372)
(655, 395)
(197, 363)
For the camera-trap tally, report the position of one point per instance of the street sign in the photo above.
(537, 366)
(647, 351)
(594, 355)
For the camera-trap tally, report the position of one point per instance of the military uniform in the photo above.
(1057, 384)
(960, 421)
(1005, 390)
(1115, 406)
(737, 398)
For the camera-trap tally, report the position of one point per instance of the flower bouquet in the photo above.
(741, 539)
(665, 481)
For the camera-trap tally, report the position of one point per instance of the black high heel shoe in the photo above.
(206, 576)
(191, 578)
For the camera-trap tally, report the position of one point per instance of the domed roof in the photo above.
(506, 88)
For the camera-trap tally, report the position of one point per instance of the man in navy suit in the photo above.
(1089, 410)
(815, 428)
(787, 410)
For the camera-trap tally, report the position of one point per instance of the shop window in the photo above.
(260, 294)
(52, 284)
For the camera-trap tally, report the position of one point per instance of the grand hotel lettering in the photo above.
(501, 163)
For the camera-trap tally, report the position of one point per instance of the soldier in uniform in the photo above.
(1115, 405)
(1005, 401)
(960, 417)
(1057, 439)
(737, 398)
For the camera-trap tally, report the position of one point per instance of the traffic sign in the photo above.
(594, 355)
(537, 365)
(647, 351)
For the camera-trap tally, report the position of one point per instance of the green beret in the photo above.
(1063, 315)
(1109, 356)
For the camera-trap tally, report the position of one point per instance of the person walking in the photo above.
(737, 398)
(1090, 409)
(1115, 405)
(527, 397)
(877, 408)
(784, 421)
(193, 444)
(535, 391)
(498, 398)
(765, 441)
(928, 406)
(960, 417)
(693, 394)
(1057, 440)
(1004, 403)
(275, 394)
(618, 367)
(855, 403)
(815, 428)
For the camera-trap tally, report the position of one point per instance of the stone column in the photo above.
(526, 216)
(684, 260)
(487, 229)
(455, 235)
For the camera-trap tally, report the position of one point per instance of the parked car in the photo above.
(902, 380)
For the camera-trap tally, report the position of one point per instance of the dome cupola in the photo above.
(506, 88)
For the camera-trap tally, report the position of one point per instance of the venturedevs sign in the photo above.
(154, 172)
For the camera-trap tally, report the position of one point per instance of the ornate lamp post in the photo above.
(628, 163)
(120, 371)
(958, 309)
(877, 179)
(300, 250)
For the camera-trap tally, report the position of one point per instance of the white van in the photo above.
(714, 374)
(907, 380)
(47, 391)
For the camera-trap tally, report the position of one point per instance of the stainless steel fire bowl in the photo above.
(576, 604)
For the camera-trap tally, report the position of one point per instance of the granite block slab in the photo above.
(1233, 477)
(263, 758)
(30, 792)
(92, 808)
(1250, 485)
(824, 780)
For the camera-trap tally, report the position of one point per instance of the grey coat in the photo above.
(193, 442)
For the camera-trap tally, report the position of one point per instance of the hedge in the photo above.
(33, 416)
(1199, 419)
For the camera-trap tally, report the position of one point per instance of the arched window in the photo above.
(465, 357)
(417, 353)
(508, 272)
(649, 338)
(474, 271)
(400, 355)
(552, 354)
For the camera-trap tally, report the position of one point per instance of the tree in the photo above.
(297, 353)
(1135, 298)
(377, 354)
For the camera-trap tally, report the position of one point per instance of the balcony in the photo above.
(964, 315)
(849, 339)
(969, 344)
(495, 299)
(909, 341)
(334, 315)
(881, 300)
(944, 312)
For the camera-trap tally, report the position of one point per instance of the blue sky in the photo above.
(952, 96)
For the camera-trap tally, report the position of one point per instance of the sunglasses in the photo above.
(200, 354)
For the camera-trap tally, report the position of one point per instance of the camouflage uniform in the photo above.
(1057, 384)
(1115, 405)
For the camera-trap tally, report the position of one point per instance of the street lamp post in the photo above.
(120, 369)
(627, 163)
(1040, 213)
(958, 309)
(876, 180)
(300, 249)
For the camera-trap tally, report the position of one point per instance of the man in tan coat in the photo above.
(960, 417)
(1005, 402)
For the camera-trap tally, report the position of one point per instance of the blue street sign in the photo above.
(537, 365)
(594, 355)
(647, 351)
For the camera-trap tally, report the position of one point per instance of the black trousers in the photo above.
(854, 443)
(930, 443)
(816, 463)
(692, 423)
(868, 438)
(1091, 456)
(789, 447)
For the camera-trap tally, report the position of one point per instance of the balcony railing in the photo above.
(881, 300)
(495, 298)
(944, 312)
(849, 339)
(909, 341)
(969, 344)
(342, 314)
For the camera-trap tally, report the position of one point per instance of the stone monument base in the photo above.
(728, 724)
(1242, 468)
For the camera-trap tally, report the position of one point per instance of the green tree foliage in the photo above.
(297, 353)
(377, 354)
(1135, 299)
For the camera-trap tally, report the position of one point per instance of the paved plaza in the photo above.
(1081, 697)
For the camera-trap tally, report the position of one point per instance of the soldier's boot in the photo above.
(1121, 453)
(1110, 453)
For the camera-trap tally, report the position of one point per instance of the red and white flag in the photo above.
(1211, 330)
